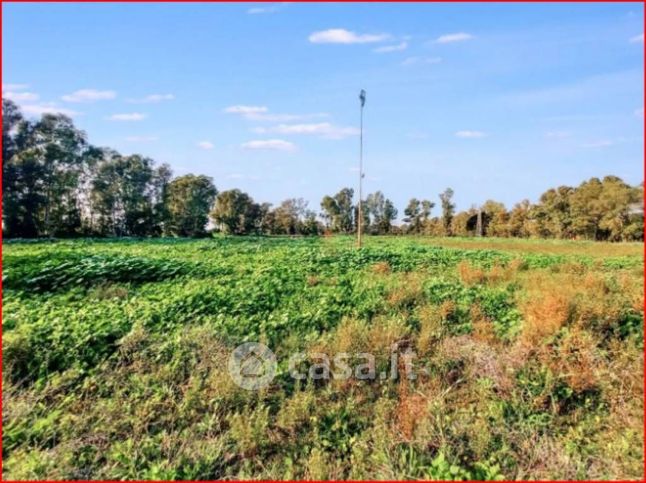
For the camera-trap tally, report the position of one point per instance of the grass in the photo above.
(566, 247)
(115, 359)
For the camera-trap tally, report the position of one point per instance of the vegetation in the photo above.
(55, 184)
(115, 355)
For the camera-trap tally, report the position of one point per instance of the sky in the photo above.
(496, 101)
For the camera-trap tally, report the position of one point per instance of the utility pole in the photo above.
(362, 99)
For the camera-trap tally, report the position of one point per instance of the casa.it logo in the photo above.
(252, 366)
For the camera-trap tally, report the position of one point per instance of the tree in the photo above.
(381, 212)
(12, 121)
(460, 223)
(365, 218)
(519, 221)
(236, 213)
(310, 226)
(42, 163)
(13, 125)
(330, 213)
(288, 216)
(427, 207)
(412, 215)
(161, 179)
(344, 202)
(188, 201)
(498, 218)
(124, 195)
(417, 214)
(338, 211)
(448, 209)
(552, 216)
(618, 200)
(61, 151)
(435, 227)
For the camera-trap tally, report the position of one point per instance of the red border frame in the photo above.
(318, 1)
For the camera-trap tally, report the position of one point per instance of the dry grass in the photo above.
(471, 275)
(381, 268)
(556, 247)
(544, 316)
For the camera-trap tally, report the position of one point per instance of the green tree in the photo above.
(123, 195)
(288, 216)
(161, 179)
(188, 201)
(236, 213)
(14, 127)
(43, 167)
(330, 213)
(448, 209)
(412, 215)
(310, 225)
(381, 212)
(417, 214)
(339, 212)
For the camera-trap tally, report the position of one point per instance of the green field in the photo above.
(115, 359)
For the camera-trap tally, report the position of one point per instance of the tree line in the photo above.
(56, 184)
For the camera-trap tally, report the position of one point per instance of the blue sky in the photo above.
(497, 101)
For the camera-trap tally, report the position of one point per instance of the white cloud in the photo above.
(470, 134)
(270, 144)
(602, 143)
(245, 110)
(421, 60)
(276, 7)
(153, 98)
(14, 87)
(323, 129)
(20, 96)
(15, 92)
(132, 116)
(450, 38)
(391, 48)
(342, 36)
(46, 108)
(557, 134)
(248, 112)
(261, 113)
(205, 145)
(639, 112)
(637, 39)
(141, 139)
(89, 95)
